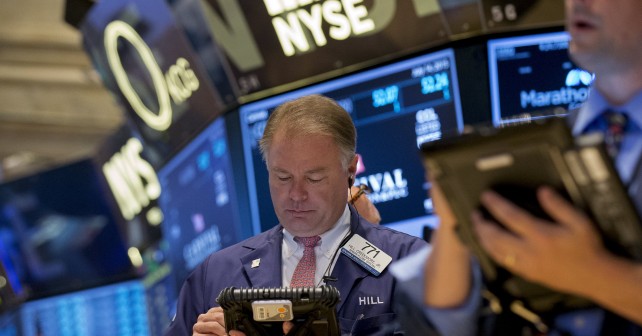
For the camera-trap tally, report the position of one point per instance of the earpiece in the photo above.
(350, 181)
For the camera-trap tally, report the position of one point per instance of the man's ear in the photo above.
(352, 170)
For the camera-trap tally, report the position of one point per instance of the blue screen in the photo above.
(9, 323)
(532, 76)
(395, 108)
(12, 290)
(199, 201)
(118, 309)
(59, 233)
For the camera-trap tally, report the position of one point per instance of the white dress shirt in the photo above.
(291, 251)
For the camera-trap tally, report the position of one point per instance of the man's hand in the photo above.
(210, 323)
(287, 326)
(213, 323)
(447, 219)
(558, 255)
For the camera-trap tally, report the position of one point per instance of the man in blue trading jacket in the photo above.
(569, 256)
(309, 149)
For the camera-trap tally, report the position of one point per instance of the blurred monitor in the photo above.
(531, 76)
(59, 234)
(12, 290)
(10, 323)
(116, 309)
(395, 108)
(199, 201)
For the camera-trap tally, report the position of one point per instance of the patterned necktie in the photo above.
(615, 127)
(304, 272)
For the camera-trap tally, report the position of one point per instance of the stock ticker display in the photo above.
(118, 309)
(532, 76)
(395, 109)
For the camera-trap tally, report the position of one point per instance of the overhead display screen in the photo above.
(146, 62)
(324, 38)
(532, 76)
(395, 109)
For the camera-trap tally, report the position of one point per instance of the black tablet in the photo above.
(514, 161)
(262, 311)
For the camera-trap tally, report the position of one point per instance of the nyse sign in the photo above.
(314, 37)
(346, 18)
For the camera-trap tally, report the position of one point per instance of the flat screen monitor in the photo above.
(199, 201)
(59, 232)
(12, 290)
(10, 323)
(395, 108)
(531, 76)
(116, 309)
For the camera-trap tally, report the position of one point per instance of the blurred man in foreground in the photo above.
(569, 255)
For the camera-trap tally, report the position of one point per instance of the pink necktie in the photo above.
(304, 272)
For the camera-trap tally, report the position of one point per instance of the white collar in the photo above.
(330, 239)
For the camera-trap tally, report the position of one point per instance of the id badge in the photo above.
(366, 254)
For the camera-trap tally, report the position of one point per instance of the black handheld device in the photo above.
(262, 311)
(516, 160)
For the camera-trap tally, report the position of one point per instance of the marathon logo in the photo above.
(568, 95)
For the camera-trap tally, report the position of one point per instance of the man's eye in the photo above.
(283, 178)
(314, 180)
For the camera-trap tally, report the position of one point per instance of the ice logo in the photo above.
(576, 77)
